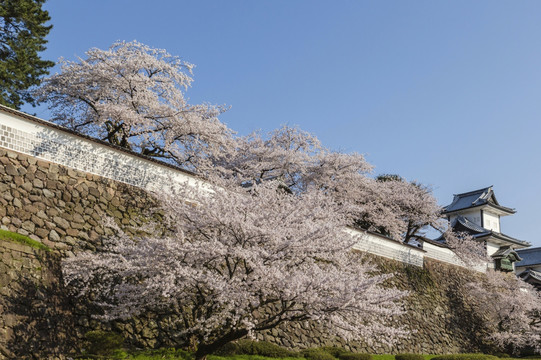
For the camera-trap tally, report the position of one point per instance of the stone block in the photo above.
(17, 203)
(61, 222)
(94, 192)
(72, 232)
(29, 226)
(11, 170)
(41, 232)
(4, 187)
(38, 183)
(48, 193)
(18, 180)
(54, 168)
(78, 218)
(43, 164)
(22, 214)
(53, 236)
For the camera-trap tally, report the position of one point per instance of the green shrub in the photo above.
(249, 347)
(465, 357)
(317, 354)
(102, 343)
(265, 348)
(228, 349)
(118, 355)
(409, 357)
(354, 356)
(333, 350)
(162, 354)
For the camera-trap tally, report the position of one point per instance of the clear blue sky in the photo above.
(444, 92)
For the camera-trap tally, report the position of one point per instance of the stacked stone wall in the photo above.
(36, 321)
(437, 315)
(64, 209)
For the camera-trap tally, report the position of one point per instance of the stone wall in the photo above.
(436, 314)
(36, 318)
(61, 207)
(64, 208)
(44, 140)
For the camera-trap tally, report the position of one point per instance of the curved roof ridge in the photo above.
(471, 225)
(474, 191)
(475, 198)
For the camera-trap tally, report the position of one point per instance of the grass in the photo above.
(21, 239)
(176, 355)
(249, 357)
(391, 357)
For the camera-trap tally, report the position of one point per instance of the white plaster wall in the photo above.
(47, 143)
(492, 248)
(57, 146)
(441, 253)
(491, 221)
(447, 255)
(382, 246)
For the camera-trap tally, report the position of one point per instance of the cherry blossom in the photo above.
(510, 309)
(132, 95)
(238, 263)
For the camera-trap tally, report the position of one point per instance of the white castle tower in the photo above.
(478, 213)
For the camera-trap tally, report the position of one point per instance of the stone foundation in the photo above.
(436, 315)
(64, 208)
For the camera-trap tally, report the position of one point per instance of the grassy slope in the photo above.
(172, 356)
(21, 239)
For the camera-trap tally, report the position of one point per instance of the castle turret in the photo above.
(478, 213)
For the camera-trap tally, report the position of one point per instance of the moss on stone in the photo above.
(21, 239)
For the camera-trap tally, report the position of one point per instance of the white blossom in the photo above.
(132, 96)
(510, 309)
(239, 263)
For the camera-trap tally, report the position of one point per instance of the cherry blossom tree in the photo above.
(511, 311)
(297, 159)
(132, 96)
(472, 252)
(240, 262)
(400, 209)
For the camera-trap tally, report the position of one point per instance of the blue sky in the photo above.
(443, 92)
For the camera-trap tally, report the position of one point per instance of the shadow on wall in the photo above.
(37, 313)
(463, 321)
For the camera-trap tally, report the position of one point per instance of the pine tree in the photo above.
(22, 37)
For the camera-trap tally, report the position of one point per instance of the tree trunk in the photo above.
(206, 349)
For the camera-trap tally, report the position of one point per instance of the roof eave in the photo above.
(503, 209)
(505, 238)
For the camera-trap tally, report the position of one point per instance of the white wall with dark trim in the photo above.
(22, 133)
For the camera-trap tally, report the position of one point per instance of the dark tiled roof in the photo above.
(532, 277)
(505, 252)
(461, 224)
(484, 196)
(509, 238)
(531, 256)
